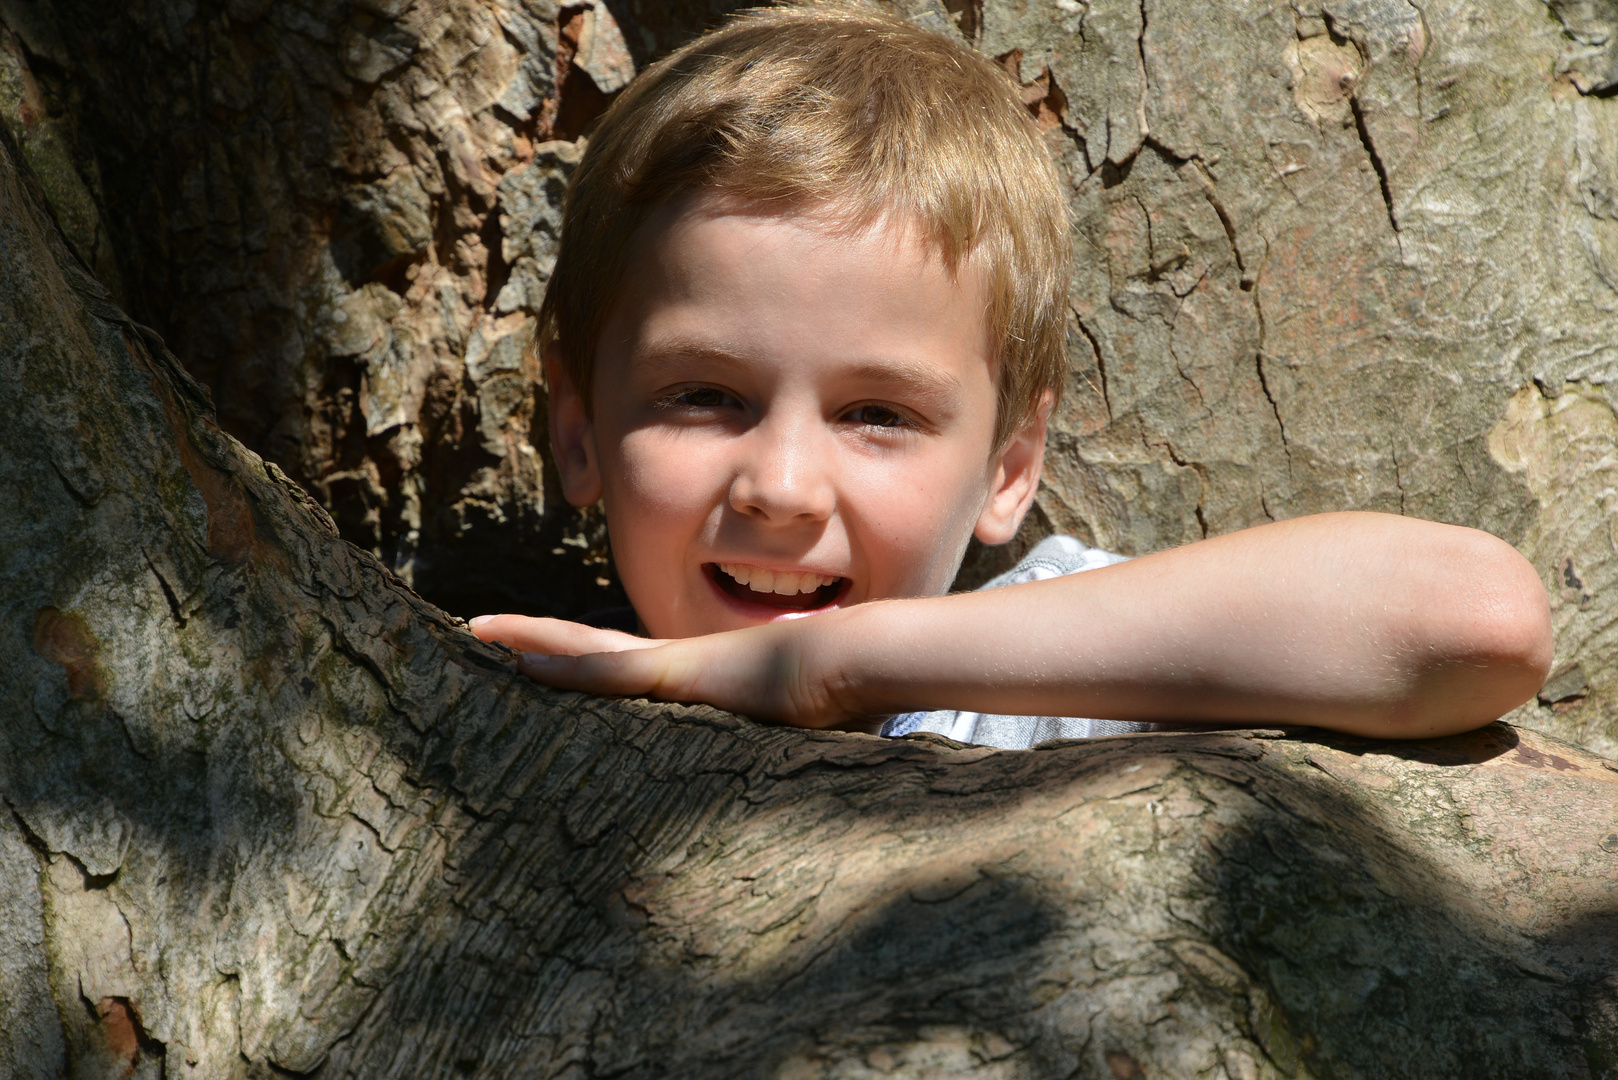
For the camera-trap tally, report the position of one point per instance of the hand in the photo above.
(785, 672)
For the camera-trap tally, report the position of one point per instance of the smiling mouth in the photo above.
(788, 591)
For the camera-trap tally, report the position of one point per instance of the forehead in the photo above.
(712, 275)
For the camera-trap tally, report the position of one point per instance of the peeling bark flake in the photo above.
(64, 638)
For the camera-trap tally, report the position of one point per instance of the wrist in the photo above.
(865, 649)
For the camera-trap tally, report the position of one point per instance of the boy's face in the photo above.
(788, 419)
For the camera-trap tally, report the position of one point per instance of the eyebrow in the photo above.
(672, 354)
(937, 386)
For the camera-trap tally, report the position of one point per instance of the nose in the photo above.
(784, 475)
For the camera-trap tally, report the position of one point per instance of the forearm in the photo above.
(1365, 623)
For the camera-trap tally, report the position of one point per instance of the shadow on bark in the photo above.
(1375, 961)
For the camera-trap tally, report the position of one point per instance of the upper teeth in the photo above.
(782, 583)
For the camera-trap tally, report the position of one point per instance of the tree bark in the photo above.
(342, 216)
(269, 813)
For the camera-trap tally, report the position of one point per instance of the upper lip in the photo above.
(776, 568)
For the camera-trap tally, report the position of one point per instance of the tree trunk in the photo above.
(342, 215)
(270, 813)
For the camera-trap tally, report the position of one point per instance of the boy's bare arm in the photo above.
(1366, 623)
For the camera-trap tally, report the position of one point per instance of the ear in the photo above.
(1014, 477)
(572, 434)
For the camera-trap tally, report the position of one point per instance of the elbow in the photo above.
(1511, 614)
(1526, 645)
(1497, 638)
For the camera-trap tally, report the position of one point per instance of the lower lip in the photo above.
(761, 613)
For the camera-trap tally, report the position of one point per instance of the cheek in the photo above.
(918, 519)
(653, 476)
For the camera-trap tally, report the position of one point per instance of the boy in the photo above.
(802, 339)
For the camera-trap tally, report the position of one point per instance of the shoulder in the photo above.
(1052, 557)
(1055, 556)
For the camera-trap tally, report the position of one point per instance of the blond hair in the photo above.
(840, 107)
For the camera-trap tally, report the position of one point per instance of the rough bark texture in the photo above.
(1357, 254)
(343, 216)
(268, 813)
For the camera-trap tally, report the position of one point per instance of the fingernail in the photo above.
(478, 620)
(536, 659)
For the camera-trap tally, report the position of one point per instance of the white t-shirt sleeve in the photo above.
(1055, 556)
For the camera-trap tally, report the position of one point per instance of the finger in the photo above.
(554, 636)
(689, 671)
(745, 671)
(629, 673)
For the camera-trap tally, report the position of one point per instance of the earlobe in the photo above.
(572, 434)
(1014, 480)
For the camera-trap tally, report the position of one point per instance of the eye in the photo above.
(878, 416)
(697, 397)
